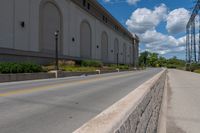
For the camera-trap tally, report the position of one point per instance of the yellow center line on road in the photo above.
(46, 87)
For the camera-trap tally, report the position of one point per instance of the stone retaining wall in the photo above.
(25, 76)
(144, 119)
(138, 112)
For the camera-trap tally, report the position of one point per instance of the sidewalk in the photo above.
(183, 114)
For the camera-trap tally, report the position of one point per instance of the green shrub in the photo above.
(48, 68)
(66, 63)
(78, 69)
(91, 63)
(171, 66)
(19, 68)
(194, 66)
(187, 67)
(197, 71)
(122, 67)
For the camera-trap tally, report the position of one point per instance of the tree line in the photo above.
(148, 59)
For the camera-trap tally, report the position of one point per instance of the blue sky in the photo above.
(160, 24)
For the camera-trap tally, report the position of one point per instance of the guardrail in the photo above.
(138, 112)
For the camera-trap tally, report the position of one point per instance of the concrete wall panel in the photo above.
(77, 16)
(116, 50)
(7, 23)
(50, 23)
(104, 46)
(85, 40)
(22, 24)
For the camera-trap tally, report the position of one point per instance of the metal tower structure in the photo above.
(192, 46)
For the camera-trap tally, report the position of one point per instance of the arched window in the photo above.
(85, 40)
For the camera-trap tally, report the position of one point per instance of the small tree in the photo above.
(153, 59)
(144, 59)
(162, 61)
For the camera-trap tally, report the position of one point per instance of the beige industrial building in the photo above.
(86, 31)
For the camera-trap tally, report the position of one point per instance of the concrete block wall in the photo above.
(25, 76)
(138, 112)
(144, 119)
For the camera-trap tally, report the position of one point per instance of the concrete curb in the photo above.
(111, 119)
(36, 76)
(162, 122)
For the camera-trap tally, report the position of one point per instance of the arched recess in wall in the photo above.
(104, 46)
(50, 22)
(85, 40)
(116, 50)
(124, 53)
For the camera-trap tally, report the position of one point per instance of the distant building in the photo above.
(87, 31)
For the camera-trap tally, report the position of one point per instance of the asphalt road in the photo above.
(63, 105)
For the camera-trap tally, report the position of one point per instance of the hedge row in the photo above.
(91, 63)
(192, 67)
(19, 68)
(122, 67)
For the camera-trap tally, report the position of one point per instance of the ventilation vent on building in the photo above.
(88, 6)
(103, 18)
(22, 23)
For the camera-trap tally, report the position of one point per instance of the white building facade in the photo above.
(86, 31)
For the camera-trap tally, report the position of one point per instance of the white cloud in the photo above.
(106, 0)
(144, 22)
(182, 41)
(177, 20)
(132, 2)
(160, 43)
(144, 19)
(151, 36)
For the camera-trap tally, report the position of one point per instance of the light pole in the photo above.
(56, 49)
